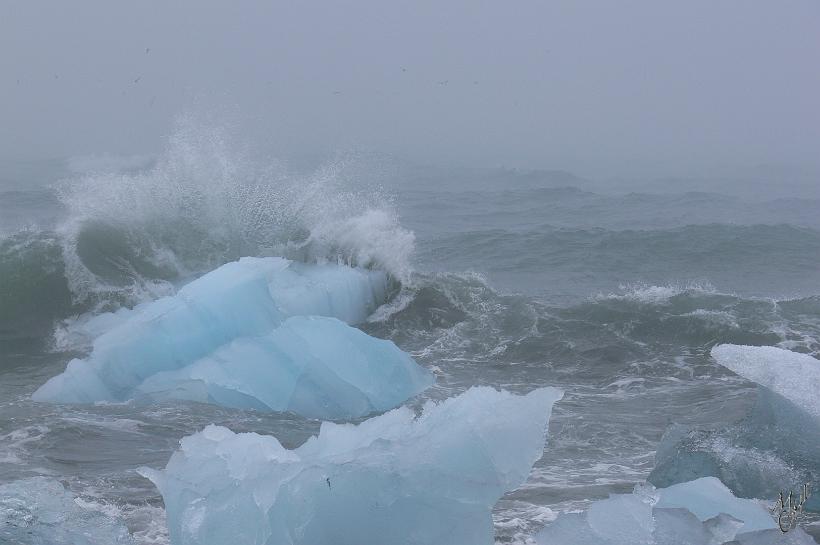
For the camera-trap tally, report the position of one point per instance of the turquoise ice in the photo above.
(263, 333)
(699, 512)
(314, 366)
(396, 478)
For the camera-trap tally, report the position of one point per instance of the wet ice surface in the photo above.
(773, 447)
(791, 375)
(699, 512)
(95, 449)
(396, 478)
(603, 433)
(258, 333)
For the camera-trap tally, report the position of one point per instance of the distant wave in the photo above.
(567, 263)
(613, 250)
(459, 316)
(33, 287)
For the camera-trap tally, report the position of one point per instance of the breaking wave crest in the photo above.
(130, 236)
(460, 318)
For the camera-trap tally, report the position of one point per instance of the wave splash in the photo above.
(134, 236)
(206, 202)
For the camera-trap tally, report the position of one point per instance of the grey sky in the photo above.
(586, 86)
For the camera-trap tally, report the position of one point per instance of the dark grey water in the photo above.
(517, 280)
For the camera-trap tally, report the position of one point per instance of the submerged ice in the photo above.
(262, 333)
(395, 478)
(699, 512)
(773, 447)
(39, 511)
(794, 376)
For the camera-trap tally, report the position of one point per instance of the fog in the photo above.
(599, 88)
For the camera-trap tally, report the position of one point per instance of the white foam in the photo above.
(206, 201)
(656, 295)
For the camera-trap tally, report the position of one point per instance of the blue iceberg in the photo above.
(396, 478)
(314, 366)
(774, 447)
(263, 333)
(699, 512)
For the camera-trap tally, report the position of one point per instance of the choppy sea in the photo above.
(510, 279)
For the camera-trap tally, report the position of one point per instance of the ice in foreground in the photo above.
(249, 335)
(39, 511)
(699, 512)
(774, 447)
(786, 417)
(395, 478)
(792, 375)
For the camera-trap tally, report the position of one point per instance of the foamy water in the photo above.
(520, 288)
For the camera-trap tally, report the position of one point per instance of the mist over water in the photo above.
(586, 195)
(505, 278)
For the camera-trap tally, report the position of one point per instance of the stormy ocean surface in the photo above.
(516, 280)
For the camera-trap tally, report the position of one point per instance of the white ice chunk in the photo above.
(219, 336)
(623, 519)
(396, 478)
(699, 512)
(39, 511)
(790, 374)
(773, 448)
(707, 497)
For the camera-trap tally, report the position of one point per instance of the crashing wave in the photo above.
(205, 203)
(34, 290)
(249, 335)
(128, 232)
(395, 478)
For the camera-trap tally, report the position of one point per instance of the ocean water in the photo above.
(510, 279)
